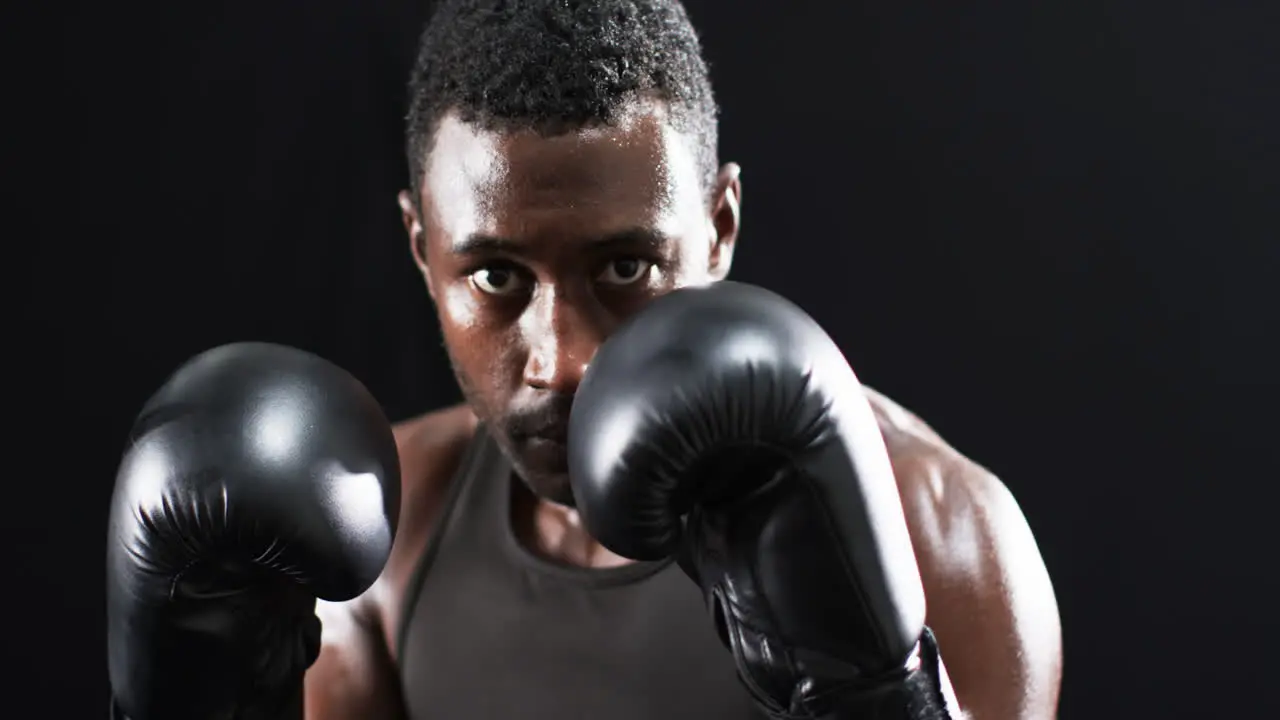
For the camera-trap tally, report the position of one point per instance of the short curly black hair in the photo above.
(555, 65)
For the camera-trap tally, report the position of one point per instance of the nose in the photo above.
(563, 334)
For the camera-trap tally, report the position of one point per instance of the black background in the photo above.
(1051, 230)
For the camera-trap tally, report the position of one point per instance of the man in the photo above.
(565, 176)
(564, 173)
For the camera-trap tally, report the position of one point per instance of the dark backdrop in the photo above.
(1049, 230)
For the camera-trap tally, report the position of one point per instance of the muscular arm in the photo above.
(990, 600)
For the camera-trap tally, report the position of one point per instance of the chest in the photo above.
(501, 642)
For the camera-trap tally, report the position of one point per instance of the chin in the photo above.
(549, 486)
(543, 467)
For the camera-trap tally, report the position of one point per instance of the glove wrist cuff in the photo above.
(915, 693)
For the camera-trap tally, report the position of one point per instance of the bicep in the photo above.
(991, 603)
(354, 676)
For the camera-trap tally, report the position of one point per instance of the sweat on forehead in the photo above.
(639, 164)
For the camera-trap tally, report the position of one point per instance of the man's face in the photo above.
(535, 249)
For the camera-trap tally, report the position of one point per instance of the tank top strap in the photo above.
(462, 490)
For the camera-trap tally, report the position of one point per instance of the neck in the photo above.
(555, 532)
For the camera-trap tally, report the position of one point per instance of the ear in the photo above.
(417, 239)
(726, 218)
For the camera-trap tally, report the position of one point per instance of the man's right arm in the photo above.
(354, 676)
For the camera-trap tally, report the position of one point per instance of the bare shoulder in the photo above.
(943, 491)
(355, 674)
(431, 447)
(990, 599)
(431, 444)
(933, 477)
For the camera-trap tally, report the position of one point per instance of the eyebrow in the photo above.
(631, 238)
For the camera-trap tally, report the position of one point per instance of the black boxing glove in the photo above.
(722, 425)
(256, 480)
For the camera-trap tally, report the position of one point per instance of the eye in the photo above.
(625, 271)
(498, 280)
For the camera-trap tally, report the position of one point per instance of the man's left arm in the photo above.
(991, 604)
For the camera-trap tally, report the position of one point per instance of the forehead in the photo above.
(637, 171)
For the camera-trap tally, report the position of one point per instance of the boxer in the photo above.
(646, 560)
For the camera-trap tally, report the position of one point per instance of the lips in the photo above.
(552, 432)
(539, 434)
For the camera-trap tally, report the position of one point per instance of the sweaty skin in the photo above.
(534, 249)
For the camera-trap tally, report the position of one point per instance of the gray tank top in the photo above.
(492, 631)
